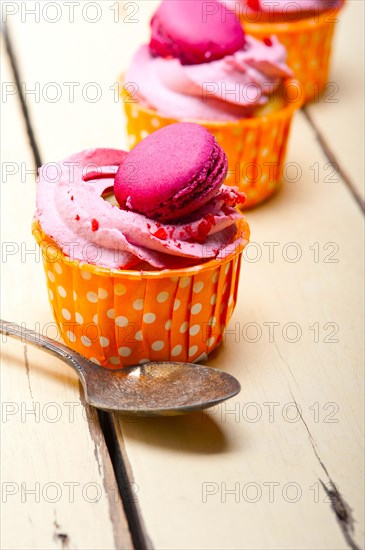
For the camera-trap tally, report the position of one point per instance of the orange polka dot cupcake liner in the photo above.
(309, 45)
(255, 147)
(118, 318)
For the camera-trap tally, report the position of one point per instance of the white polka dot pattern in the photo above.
(176, 350)
(158, 345)
(119, 290)
(110, 313)
(79, 318)
(92, 297)
(66, 314)
(86, 341)
(193, 331)
(193, 350)
(184, 327)
(149, 318)
(104, 342)
(121, 321)
(198, 287)
(61, 291)
(138, 305)
(71, 336)
(196, 308)
(162, 297)
(102, 293)
(125, 351)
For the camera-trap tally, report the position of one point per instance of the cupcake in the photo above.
(142, 250)
(305, 27)
(202, 67)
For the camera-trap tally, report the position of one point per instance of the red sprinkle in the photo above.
(94, 224)
(202, 231)
(210, 219)
(267, 41)
(204, 227)
(160, 234)
(72, 197)
(77, 217)
(254, 5)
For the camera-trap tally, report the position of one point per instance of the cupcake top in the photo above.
(283, 10)
(174, 209)
(193, 32)
(200, 64)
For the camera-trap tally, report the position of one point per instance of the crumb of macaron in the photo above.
(94, 224)
(160, 234)
(253, 5)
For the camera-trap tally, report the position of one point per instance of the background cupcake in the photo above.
(305, 27)
(155, 277)
(201, 66)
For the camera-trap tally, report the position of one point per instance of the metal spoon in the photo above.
(161, 388)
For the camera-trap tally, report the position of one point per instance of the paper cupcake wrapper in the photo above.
(118, 318)
(309, 44)
(255, 147)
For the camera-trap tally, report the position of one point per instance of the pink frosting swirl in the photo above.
(72, 211)
(227, 89)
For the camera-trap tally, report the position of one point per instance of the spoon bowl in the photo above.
(151, 389)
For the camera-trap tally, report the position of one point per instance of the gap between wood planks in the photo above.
(23, 106)
(104, 426)
(333, 160)
(341, 509)
(108, 423)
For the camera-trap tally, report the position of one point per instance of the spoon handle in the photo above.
(44, 343)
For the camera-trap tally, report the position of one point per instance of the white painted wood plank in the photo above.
(187, 465)
(173, 460)
(80, 67)
(58, 486)
(339, 115)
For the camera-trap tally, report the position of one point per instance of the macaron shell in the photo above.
(195, 31)
(179, 164)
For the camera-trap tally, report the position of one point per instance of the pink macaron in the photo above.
(172, 173)
(195, 31)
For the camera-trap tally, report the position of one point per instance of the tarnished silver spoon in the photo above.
(160, 388)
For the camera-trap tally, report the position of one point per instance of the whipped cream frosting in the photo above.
(227, 89)
(72, 211)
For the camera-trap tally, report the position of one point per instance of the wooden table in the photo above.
(278, 467)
